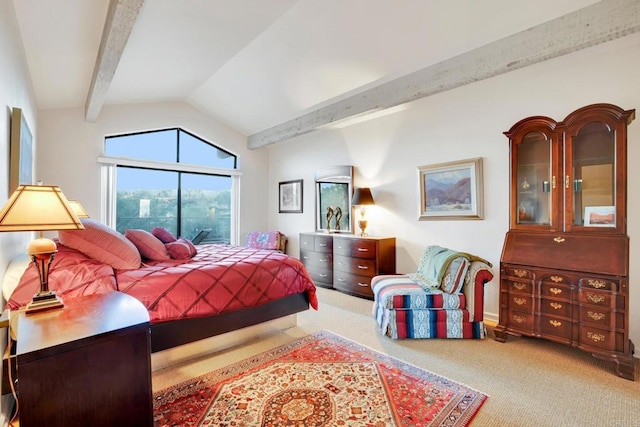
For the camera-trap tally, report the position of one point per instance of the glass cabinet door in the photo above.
(590, 180)
(533, 175)
(595, 169)
(533, 193)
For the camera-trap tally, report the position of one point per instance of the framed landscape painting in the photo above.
(451, 190)
(290, 197)
(21, 152)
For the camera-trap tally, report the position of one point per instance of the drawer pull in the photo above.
(518, 319)
(340, 279)
(324, 245)
(556, 279)
(519, 286)
(596, 316)
(363, 250)
(305, 257)
(363, 267)
(598, 284)
(595, 337)
(520, 301)
(555, 305)
(597, 299)
(520, 273)
(558, 239)
(323, 260)
(555, 291)
(364, 285)
(555, 323)
(322, 274)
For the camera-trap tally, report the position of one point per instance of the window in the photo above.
(173, 179)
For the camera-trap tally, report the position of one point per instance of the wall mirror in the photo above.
(334, 189)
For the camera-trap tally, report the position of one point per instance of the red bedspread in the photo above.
(219, 278)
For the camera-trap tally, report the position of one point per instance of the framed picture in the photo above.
(291, 196)
(600, 216)
(451, 190)
(21, 152)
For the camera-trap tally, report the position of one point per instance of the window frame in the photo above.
(109, 166)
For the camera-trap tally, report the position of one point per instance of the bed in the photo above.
(218, 289)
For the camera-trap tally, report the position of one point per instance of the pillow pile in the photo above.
(150, 246)
(103, 244)
(177, 248)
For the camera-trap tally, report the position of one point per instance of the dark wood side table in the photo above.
(87, 364)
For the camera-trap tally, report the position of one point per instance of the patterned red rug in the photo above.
(319, 380)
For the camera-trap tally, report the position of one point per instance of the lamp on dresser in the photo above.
(362, 198)
(40, 208)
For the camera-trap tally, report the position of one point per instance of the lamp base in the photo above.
(362, 223)
(44, 301)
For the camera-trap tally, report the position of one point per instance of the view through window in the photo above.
(179, 181)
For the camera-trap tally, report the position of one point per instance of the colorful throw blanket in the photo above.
(442, 268)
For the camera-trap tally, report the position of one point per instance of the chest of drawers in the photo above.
(347, 262)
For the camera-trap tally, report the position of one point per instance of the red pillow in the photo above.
(181, 249)
(163, 234)
(150, 246)
(102, 243)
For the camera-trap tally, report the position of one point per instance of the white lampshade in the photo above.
(38, 208)
(78, 209)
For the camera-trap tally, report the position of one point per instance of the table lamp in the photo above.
(362, 197)
(40, 208)
(78, 209)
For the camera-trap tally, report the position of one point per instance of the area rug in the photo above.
(319, 380)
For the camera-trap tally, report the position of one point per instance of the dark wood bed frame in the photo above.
(166, 335)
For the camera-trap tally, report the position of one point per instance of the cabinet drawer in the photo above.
(519, 287)
(521, 273)
(353, 283)
(600, 338)
(553, 290)
(520, 321)
(601, 299)
(307, 242)
(521, 302)
(599, 284)
(598, 317)
(557, 327)
(357, 248)
(359, 266)
(323, 244)
(556, 308)
(321, 276)
(316, 259)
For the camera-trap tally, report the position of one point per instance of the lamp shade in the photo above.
(362, 196)
(78, 209)
(38, 208)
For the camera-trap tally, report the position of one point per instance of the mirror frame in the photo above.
(334, 176)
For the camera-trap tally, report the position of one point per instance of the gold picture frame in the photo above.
(21, 152)
(451, 190)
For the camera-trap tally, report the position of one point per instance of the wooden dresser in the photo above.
(87, 364)
(316, 253)
(564, 271)
(347, 262)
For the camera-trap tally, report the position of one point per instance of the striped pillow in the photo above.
(454, 276)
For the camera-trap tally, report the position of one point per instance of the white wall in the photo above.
(460, 124)
(71, 146)
(15, 91)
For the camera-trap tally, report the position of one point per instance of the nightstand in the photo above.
(87, 364)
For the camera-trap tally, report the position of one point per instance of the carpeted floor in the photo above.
(529, 382)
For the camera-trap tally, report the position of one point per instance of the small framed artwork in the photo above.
(600, 216)
(290, 196)
(21, 152)
(451, 190)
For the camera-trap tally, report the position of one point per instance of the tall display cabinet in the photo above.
(564, 270)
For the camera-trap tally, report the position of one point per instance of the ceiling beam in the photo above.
(601, 22)
(121, 17)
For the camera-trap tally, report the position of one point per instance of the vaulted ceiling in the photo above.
(272, 69)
